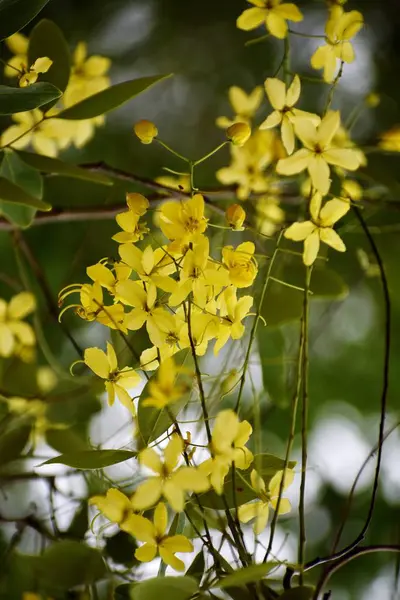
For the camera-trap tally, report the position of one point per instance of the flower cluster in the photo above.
(44, 132)
(17, 337)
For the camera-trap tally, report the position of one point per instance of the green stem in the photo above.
(203, 158)
(332, 89)
(174, 152)
(254, 328)
(304, 430)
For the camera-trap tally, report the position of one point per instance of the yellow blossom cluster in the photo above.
(45, 133)
(17, 337)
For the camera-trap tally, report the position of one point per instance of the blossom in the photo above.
(319, 228)
(241, 264)
(319, 152)
(238, 133)
(235, 216)
(115, 506)
(244, 106)
(155, 538)
(259, 510)
(248, 163)
(41, 65)
(99, 273)
(232, 312)
(117, 381)
(183, 220)
(14, 332)
(166, 389)
(31, 129)
(228, 445)
(150, 265)
(88, 75)
(170, 480)
(18, 44)
(285, 114)
(272, 13)
(390, 140)
(36, 410)
(340, 28)
(146, 131)
(132, 230)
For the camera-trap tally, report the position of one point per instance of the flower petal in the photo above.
(276, 92)
(332, 211)
(293, 93)
(146, 553)
(140, 527)
(170, 559)
(311, 247)
(287, 134)
(299, 231)
(173, 452)
(150, 459)
(272, 120)
(251, 18)
(295, 163)
(330, 237)
(289, 11)
(174, 495)
(161, 519)
(319, 173)
(276, 24)
(347, 158)
(147, 493)
(97, 362)
(328, 127)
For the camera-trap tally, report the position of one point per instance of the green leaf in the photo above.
(153, 422)
(15, 194)
(266, 464)
(245, 575)
(196, 569)
(79, 524)
(277, 370)
(91, 459)
(109, 99)
(47, 39)
(176, 588)
(63, 440)
(15, 14)
(303, 592)
(56, 166)
(121, 549)
(13, 442)
(69, 563)
(15, 170)
(16, 100)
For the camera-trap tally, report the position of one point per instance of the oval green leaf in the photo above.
(246, 575)
(13, 442)
(30, 180)
(63, 440)
(91, 459)
(56, 166)
(69, 563)
(110, 98)
(303, 592)
(13, 193)
(196, 569)
(47, 39)
(16, 100)
(178, 588)
(15, 14)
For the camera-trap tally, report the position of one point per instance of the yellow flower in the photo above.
(269, 214)
(14, 331)
(320, 228)
(259, 510)
(31, 130)
(285, 115)
(197, 275)
(18, 44)
(244, 106)
(156, 540)
(204, 327)
(235, 215)
(171, 335)
(319, 152)
(88, 76)
(171, 481)
(132, 230)
(340, 28)
(227, 446)
(150, 265)
(166, 389)
(390, 140)
(91, 307)
(115, 506)
(41, 65)
(272, 13)
(183, 220)
(248, 163)
(99, 273)
(117, 381)
(143, 298)
(241, 264)
(238, 133)
(146, 131)
(351, 190)
(232, 312)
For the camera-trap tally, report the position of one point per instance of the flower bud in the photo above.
(230, 382)
(238, 133)
(235, 215)
(146, 131)
(137, 203)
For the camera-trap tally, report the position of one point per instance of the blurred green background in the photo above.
(199, 43)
